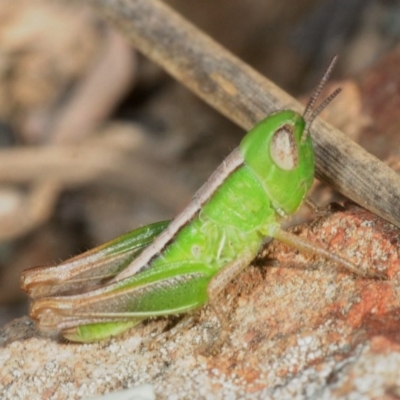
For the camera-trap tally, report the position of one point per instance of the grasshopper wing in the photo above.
(91, 268)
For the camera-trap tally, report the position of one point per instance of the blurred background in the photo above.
(96, 140)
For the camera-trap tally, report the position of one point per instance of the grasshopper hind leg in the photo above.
(216, 285)
(184, 322)
(98, 331)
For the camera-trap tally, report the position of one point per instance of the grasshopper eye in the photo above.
(283, 150)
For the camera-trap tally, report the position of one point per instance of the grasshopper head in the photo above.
(280, 154)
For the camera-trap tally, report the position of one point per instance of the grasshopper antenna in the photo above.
(309, 113)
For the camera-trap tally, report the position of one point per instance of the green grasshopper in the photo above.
(176, 267)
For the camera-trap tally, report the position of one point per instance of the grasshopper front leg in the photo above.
(306, 246)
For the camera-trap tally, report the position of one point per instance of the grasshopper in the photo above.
(175, 267)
